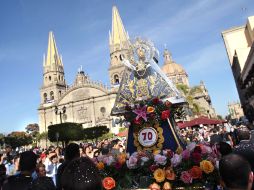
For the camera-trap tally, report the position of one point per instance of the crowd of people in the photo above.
(72, 168)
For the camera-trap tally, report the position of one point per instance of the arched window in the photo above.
(59, 77)
(121, 57)
(116, 79)
(60, 93)
(49, 78)
(51, 95)
(45, 97)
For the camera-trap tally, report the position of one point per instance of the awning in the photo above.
(200, 120)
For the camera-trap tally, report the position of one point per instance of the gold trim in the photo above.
(173, 132)
(160, 140)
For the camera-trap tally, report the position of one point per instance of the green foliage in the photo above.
(67, 132)
(41, 136)
(95, 132)
(196, 108)
(195, 89)
(220, 117)
(17, 139)
(184, 88)
(1, 139)
(106, 136)
(32, 129)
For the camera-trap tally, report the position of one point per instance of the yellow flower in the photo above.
(121, 158)
(159, 175)
(100, 166)
(206, 166)
(167, 186)
(150, 109)
(156, 151)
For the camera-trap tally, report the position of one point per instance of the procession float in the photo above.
(157, 157)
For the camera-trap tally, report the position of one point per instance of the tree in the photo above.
(32, 129)
(17, 139)
(65, 132)
(95, 132)
(1, 139)
(220, 117)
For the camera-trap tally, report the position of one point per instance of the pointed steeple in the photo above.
(53, 59)
(118, 36)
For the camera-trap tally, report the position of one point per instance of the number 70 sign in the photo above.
(147, 137)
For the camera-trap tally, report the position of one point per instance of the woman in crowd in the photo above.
(81, 174)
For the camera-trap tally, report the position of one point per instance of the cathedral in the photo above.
(86, 101)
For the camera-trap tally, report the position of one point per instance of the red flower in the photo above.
(156, 101)
(137, 121)
(168, 103)
(197, 149)
(196, 172)
(118, 165)
(165, 114)
(196, 157)
(108, 183)
(153, 168)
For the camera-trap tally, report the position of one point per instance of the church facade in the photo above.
(86, 101)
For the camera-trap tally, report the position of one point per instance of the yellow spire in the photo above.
(119, 34)
(53, 58)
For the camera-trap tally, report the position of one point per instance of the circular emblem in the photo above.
(147, 137)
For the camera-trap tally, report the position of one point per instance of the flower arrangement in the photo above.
(164, 170)
(151, 112)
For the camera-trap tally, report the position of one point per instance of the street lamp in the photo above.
(60, 112)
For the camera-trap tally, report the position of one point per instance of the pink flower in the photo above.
(186, 177)
(176, 160)
(108, 160)
(100, 158)
(160, 159)
(153, 168)
(141, 112)
(186, 154)
(206, 149)
(191, 146)
(132, 162)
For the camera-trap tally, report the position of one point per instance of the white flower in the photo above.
(132, 162)
(176, 160)
(159, 159)
(143, 160)
(191, 146)
(108, 160)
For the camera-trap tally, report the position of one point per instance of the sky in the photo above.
(190, 29)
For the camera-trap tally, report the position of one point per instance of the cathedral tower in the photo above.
(53, 74)
(119, 48)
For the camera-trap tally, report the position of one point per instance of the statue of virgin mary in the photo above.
(143, 79)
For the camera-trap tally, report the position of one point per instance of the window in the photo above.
(60, 93)
(45, 97)
(116, 79)
(59, 77)
(51, 95)
(49, 78)
(121, 57)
